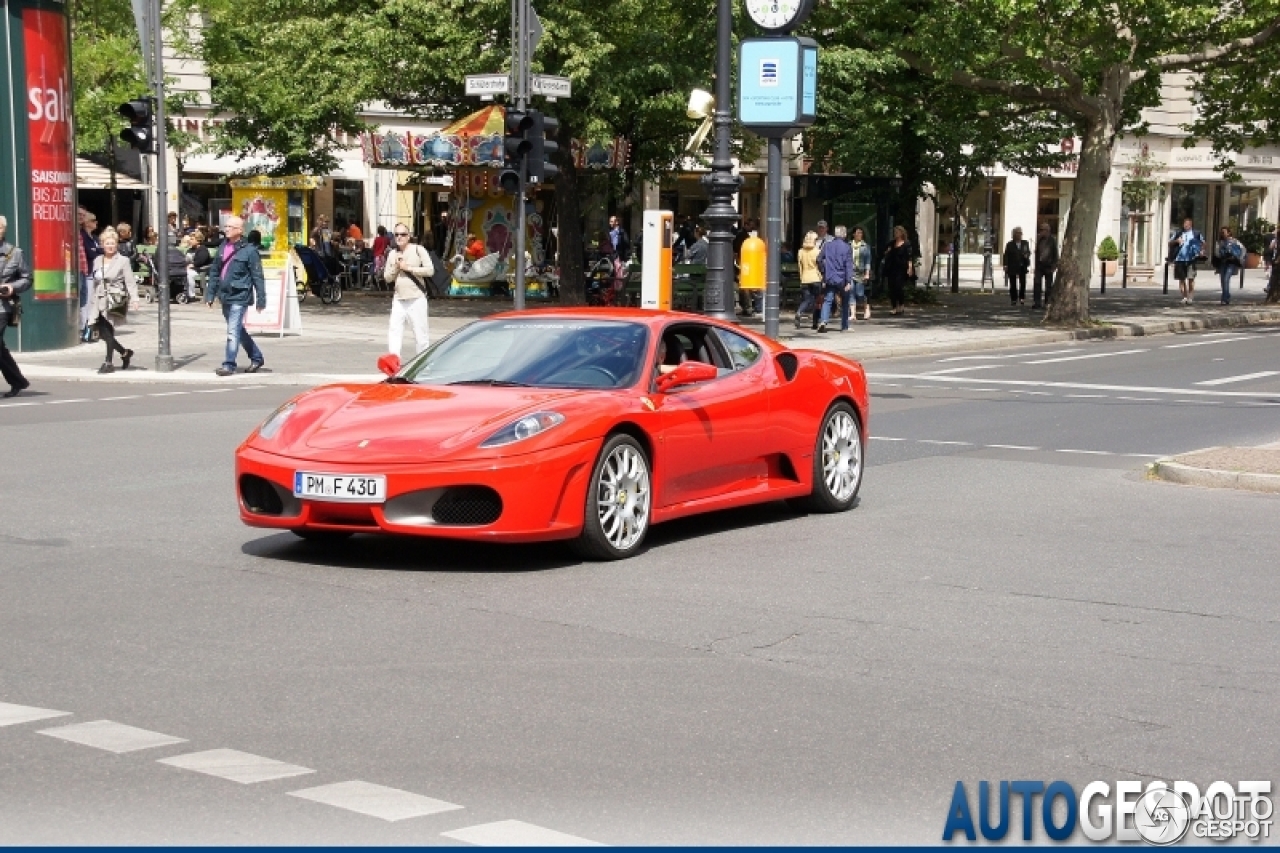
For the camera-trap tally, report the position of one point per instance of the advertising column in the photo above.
(37, 171)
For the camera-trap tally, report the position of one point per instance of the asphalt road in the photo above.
(1011, 599)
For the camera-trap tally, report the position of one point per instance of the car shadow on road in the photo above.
(407, 553)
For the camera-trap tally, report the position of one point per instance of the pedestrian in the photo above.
(810, 279)
(1187, 246)
(15, 279)
(408, 268)
(125, 232)
(835, 260)
(90, 250)
(698, 249)
(1228, 257)
(1046, 263)
(619, 240)
(174, 234)
(861, 273)
(113, 290)
(149, 236)
(820, 228)
(198, 262)
(899, 266)
(1016, 260)
(235, 277)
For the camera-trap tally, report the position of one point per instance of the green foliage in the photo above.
(1108, 250)
(1255, 236)
(106, 70)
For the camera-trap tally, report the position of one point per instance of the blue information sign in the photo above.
(778, 84)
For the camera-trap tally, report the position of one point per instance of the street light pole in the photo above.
(721, 183)
(521, 74)
(164, 357)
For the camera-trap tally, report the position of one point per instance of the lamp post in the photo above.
(721, 183)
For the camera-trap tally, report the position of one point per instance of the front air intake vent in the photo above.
(467, 505)
(260, 496)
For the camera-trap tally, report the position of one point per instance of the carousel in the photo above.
(481, 228)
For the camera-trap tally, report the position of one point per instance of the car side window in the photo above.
(742, 351)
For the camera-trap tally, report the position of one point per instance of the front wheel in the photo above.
(182, 298)
(837, 462)
(302, 295)
(618, 502)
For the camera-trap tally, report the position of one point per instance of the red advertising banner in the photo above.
(53, 180)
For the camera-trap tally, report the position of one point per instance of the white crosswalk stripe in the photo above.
(112, 737)
(12, 715)
(236, 766)
(516, 833)
(1262, 374)
(390, 804)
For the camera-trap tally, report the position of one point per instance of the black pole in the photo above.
(1103, 264)
(1124, 276)
(1166, 277)
(773, 236)
(164, 357)
(721, 183)
(954, 266)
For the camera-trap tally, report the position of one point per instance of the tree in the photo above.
(1094, 64)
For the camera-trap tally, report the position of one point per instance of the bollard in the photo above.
(1124, 274)
(1166, 277)
(1241, 287)
(1103, 264)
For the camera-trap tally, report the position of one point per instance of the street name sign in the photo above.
(551, 86)
(488, 85)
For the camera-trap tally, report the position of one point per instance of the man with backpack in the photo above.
(236, 278)
(408, 268)
(1187, 247)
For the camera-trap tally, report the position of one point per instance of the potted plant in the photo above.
(1254, 237)
(1108, 253)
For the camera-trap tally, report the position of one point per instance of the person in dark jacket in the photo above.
(15, 279)
(835, 260)
(899, 268)
(236, 278)
(198, 261)
(1046, 263)
(1016, 260)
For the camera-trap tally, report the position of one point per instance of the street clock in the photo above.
(779, 16)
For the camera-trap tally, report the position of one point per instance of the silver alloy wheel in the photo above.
(841, 455)
(622, 497)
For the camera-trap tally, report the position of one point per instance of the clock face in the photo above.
(775, 14)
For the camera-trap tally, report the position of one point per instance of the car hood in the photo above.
(405, 423)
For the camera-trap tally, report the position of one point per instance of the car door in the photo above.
(710, 432)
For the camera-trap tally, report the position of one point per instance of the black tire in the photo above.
(336, 296)
(846, 437)
(182, 298)
(323, 537)
(612, 514)
(302, 295)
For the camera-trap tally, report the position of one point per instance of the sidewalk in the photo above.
(1255, 469)
(343, 342)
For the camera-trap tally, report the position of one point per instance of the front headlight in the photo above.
(272, 424)
(527, 427)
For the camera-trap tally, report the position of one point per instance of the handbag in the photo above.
(15, 310)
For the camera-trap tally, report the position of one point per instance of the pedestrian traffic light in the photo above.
(141, 132)
(515, 150)
(542, 169)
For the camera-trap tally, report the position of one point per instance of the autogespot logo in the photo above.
(1160, 814)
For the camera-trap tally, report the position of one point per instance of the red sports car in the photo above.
(583, 424)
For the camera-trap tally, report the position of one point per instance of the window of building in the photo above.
(348, 203)
(1243, 205)
(1190, 201)
(974, 224)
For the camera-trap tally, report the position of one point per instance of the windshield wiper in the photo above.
(399, 380)
(496, 383)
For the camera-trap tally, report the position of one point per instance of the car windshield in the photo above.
(535, 353)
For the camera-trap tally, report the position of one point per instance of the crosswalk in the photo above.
(357, 796)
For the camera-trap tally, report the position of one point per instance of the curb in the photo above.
(1213, 478)
(147, 376)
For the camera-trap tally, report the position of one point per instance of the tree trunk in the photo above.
(1069, 305)
(573, 280)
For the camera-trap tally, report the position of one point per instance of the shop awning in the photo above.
(91, 176)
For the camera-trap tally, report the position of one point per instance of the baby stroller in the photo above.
(320, 280)
(177, 276)
(605, 281)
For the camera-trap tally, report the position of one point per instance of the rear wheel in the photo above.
(837, 462)
(618, 502)
(182, 298)
(323, 536)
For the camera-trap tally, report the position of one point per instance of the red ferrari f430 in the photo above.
(588, 425)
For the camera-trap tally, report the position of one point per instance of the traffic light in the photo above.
(542, 151)
(141, 132)
(515, 150)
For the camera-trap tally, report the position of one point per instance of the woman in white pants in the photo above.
(408, 268)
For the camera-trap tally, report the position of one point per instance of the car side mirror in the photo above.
(687, 373)
(389, 364)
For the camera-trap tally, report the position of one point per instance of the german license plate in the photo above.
(356, 488)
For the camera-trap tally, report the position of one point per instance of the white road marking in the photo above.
(242, 767)
(12, 715)
(1082, 386)
(1011, 446)
(113, 737)
(885, 438)
(1087, 452)
(888, 385)
(963, 369)
(516, 833)
(214, 390)
(1039, 393)
(1087, 396)
(1263, 374)
(1079, 357)
(390, 804)
(1014, 355)
(1019, 447)
(16, 405)
(1214, 341)
(126, 397)
(78, 400)
(937, 441)
(1140, 399)
(168, 393)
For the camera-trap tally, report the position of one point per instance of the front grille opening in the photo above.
(467, 505)
(259, 496)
